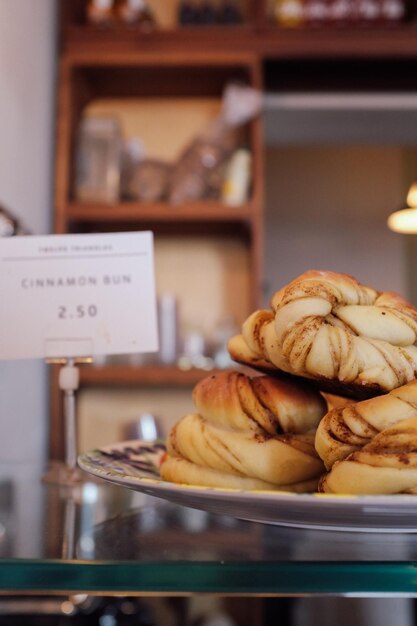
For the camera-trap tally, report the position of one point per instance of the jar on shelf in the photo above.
(289, 13)
(342, 12)
(100, 12)
(369, 11)
(236, 185)
(98, 160)
(229, 12)
(188, 13)
(317, 12)
(136, 13)
(168, 329)
(393, 11)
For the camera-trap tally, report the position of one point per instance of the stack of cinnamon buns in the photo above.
(330, 403)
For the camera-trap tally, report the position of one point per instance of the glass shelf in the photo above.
(100, 538)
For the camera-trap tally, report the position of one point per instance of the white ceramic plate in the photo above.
(135, 464)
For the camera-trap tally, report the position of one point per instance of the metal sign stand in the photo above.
(68, 473)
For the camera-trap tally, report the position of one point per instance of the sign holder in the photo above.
(87, 294)
(67, 472)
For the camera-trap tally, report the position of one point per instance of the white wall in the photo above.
(27, 62)
(327, 208)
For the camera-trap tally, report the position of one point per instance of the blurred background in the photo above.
(256, 138)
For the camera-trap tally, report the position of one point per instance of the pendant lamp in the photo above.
(405, 220)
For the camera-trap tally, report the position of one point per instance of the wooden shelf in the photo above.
(87, 37)
(128, 375)
(258, 36)
(85, 43)
(367, 42)
(158, 212)
(197, 62)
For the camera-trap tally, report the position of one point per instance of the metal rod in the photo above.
(70, 429)
(70, 422)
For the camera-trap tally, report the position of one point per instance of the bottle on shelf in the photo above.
(229, 12)
(317, 12)
(393, 11)
(98, 160)
(188, 13)
(290, 13)
(136, 13)
(369, 11)
(207, 13)
(132, 154)
(342, 13)
(194, 350)
(225, 328)
(168, 329)
(100, 12)
(236, 184)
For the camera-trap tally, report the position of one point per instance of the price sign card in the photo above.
(77, 295)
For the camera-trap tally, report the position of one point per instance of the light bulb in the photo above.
(404, 221)
(412, 196)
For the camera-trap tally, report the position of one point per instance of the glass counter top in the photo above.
(103, 538)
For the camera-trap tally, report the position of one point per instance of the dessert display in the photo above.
(248, 433)
(332, 403)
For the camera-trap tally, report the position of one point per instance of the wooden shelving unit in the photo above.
(139, 212)
(149, 375)
(117, 62)
(259, 35)
(268, 42)
(101, 64)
